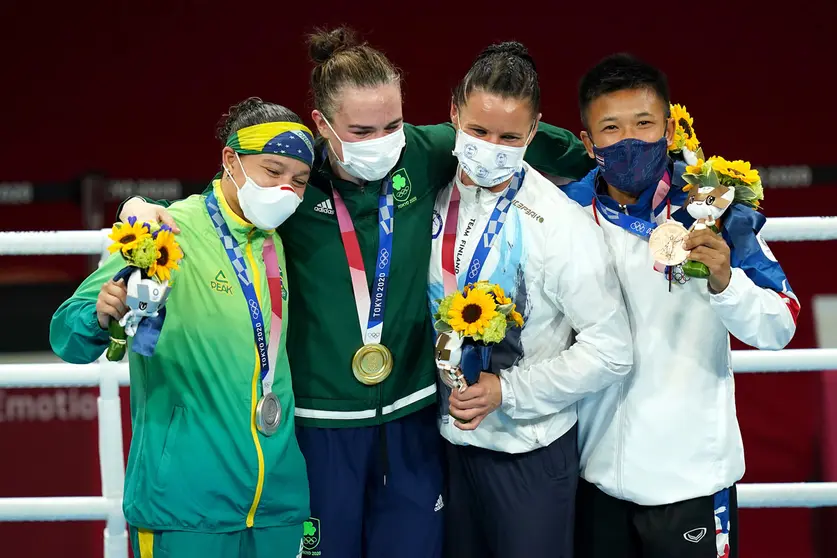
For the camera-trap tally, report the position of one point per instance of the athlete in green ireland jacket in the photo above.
(373, 451)
(202, 480)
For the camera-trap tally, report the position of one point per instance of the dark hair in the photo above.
(619, 72)
(250, 112)
(504, 69)
(341, 61)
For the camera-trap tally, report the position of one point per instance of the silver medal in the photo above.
(268, 414)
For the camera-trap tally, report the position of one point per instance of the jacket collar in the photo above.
(240, 229)
(642, 208)
(483, 196)
(324, 177)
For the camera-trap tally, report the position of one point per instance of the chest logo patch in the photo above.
(220, 284)
(402, 188)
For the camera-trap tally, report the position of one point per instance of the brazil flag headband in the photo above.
(288, 139)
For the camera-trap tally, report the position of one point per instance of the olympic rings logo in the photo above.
(636, 226)
(254, 309)
(475, 269)
(383, 259)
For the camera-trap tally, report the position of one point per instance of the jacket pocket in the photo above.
(560, 458)
(169, 445)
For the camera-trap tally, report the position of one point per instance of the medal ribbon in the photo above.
(370, 310)
(267, 358)
(634, 225)
(492, 229)
(274, 285)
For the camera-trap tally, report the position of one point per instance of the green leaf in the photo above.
(442, 326)
(505, 309)
(712, 180)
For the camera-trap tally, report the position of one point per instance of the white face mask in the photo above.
(266, 208)
(371, 159)
(488, 164)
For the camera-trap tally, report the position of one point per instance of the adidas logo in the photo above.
(325, 207)
(439, 504)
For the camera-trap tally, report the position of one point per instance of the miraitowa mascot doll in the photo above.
(705, 206)
(151, 253)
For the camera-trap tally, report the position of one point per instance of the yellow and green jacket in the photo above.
(197, 462)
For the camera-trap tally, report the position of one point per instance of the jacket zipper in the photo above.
(620, 444)
(254, 391)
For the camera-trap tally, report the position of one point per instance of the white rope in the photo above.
(788, 495)
(800, 228)
(96, 242)
(61, 374)
(54, 242)
(34, 375)
(83, 508)
(750, 495)
(787, 360)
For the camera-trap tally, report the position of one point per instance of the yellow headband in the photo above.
(288, 139)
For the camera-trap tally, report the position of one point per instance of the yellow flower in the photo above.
(738, 171)
(695, 169)
(516, 317)
(500, 296)
(168, 255)
(470, 314)
(126, 236)
(684, 133)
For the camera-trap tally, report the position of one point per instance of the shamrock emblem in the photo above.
(398, 182)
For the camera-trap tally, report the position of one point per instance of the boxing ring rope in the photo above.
(108, 376)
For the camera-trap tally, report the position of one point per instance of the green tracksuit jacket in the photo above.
(325, 333)
(197, 462)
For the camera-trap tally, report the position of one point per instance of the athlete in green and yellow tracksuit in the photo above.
(201, 479)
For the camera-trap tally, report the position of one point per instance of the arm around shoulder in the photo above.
(558, 153)
(585, 287)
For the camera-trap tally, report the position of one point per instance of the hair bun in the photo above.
(324, 44)
(509, 48)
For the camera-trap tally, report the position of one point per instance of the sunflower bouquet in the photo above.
(469, 323)
(685, 142)
(151, 253)
(714, 185)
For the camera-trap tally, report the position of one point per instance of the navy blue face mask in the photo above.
(631, 165)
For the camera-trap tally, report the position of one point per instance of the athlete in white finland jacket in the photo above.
(551, 260)
(670, 432)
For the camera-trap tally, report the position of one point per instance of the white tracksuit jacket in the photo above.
(669, 432)
(551, 260)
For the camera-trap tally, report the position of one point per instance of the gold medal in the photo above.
(372, 364)
(666, 244)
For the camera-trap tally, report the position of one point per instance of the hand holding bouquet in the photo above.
(151, 253)
(713, 186)
(469, 323)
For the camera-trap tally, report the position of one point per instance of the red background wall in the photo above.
(134, 90)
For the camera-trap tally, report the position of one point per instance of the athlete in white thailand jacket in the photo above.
(551, 260)
(670, 432)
